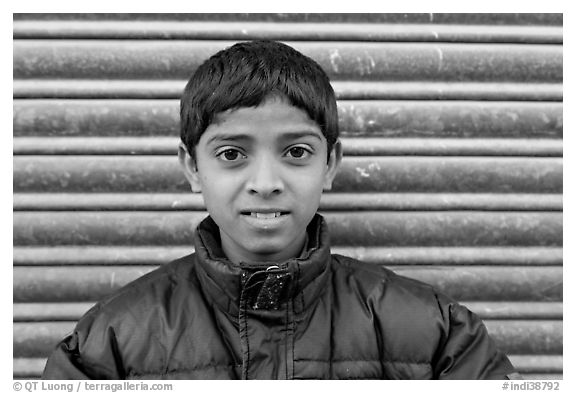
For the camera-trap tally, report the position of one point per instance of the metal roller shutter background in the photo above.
(452, 131)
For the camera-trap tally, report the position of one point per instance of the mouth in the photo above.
(265, 215)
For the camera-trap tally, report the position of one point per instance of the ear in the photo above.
(189, 167)
(334, 161)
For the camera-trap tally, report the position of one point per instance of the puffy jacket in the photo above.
(319, 316)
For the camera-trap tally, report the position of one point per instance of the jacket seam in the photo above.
(244, 320)
(362, 361)
(179, 370)
(288, 346)
(332, 328)
(291, 343)
(301, 290)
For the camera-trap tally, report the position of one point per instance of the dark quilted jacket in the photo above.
(319, 316)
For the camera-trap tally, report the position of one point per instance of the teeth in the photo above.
(265, 216)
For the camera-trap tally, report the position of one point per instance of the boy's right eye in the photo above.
(230, 155)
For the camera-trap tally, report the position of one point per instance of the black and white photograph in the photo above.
(278, 196)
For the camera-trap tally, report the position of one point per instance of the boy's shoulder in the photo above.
(143, 292)
(412, 302)
(388, 290)
(381, 277)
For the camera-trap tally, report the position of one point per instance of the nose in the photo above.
(265, 179)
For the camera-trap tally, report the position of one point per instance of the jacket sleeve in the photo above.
(89, 352)
(467, 351)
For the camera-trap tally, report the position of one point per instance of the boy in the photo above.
(262, 297)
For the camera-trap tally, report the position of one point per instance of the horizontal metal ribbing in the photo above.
(368, 146)
(398, 174)
(516, 310)
(405, 119)
(44, 312)
(28, 368)
(286, 31)
(513, 336)
(534, 364)
(374, 90)
(174, 59)
(513, 19)
(519, 256)
(390, 229)
(478, 283)
(351, 202)
(542, 377)
(452, 146)
(157, 255)
(38, 339)
(528, 365)
(463, 283)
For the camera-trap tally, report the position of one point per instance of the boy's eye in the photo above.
(230, 155)
(298, 152)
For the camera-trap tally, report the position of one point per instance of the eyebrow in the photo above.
(228, 138)
(247, 138)
(300, 134)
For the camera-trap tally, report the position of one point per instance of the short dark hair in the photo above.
(244, 75)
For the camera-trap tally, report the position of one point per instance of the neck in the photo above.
(237, 254)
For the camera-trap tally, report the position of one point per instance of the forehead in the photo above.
(274, 118)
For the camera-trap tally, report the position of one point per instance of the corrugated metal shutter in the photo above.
(452, 129)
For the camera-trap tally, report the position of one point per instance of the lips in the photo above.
(265, 221)
(264, 214)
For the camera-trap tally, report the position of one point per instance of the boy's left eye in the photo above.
(298, 152)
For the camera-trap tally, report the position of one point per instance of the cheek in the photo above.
(217, 188)
(310, 181)
(309, 188)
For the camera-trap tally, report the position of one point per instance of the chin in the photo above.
(269, 252)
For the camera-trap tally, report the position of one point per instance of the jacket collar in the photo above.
(225, 283)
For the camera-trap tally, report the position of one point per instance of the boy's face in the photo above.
(261, 171)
